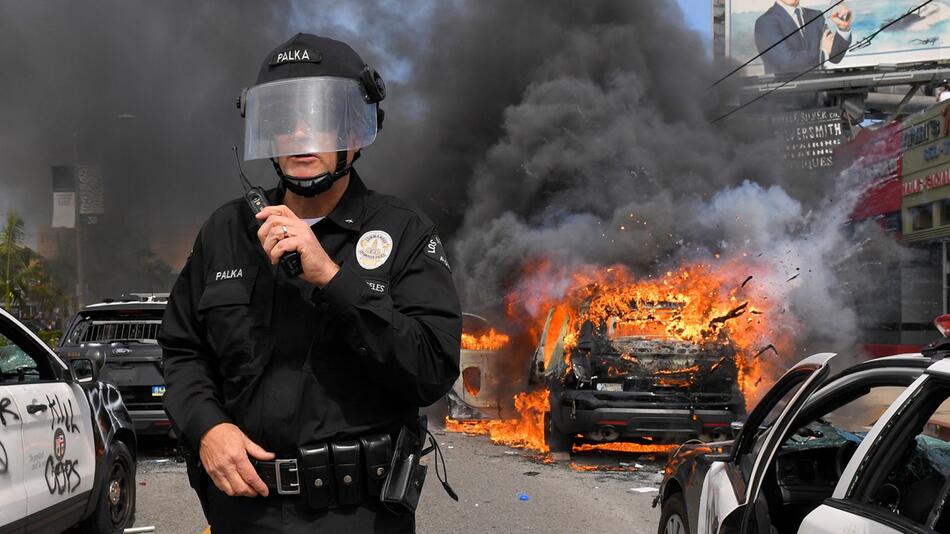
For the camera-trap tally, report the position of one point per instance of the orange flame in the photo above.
(491, 341)
(700, 303)
(637, 448)
(525, 432)
(705, 304)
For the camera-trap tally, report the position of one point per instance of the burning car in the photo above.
(623, 378)
(619, 362)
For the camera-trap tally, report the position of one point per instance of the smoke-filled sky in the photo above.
(575, 130)
(146, 92)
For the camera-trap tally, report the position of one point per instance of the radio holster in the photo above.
(402, 488)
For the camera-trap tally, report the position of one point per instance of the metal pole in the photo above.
(80, 294)
(943, 283)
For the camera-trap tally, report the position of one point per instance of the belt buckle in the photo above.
(294, 486)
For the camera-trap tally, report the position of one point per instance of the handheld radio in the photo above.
(257, 200)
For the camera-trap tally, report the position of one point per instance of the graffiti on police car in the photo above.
(4, 460)
(35, 461)
(5, 411)
(61, 474)
(62, 414)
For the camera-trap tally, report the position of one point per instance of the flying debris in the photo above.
(733, 313)
(794, 277)
(746, 281)
(766, 348)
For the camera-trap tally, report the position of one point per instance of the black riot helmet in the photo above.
(313, 94)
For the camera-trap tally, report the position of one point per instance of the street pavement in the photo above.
(501, 490)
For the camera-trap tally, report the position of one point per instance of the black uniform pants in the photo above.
(287, 514)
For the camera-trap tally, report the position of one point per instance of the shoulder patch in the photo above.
(373, 249)
(435, 252)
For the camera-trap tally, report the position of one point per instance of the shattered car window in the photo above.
(930, 459)
(820, 434)
(850, 422)
(916, 478)
(15, 364)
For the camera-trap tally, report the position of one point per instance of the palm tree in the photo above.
(26, 275)
(9, 248)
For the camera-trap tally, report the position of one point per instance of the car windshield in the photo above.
(140, 326)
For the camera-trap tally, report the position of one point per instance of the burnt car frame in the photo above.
(484, 388)
(788, 458)
(645, 389)
(120, 336)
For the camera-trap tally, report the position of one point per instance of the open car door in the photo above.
(736, 481)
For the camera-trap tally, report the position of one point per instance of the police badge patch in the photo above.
(59, 444)
(435, 252)
(373, 249)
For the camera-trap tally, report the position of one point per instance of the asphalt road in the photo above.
(501, 490)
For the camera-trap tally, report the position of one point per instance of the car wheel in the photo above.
(115, 510)
(673, 518)
(557, 441)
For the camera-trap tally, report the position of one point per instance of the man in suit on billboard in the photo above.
(811, 44)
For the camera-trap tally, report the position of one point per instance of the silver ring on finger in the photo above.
(286, 233)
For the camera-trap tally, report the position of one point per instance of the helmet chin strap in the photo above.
(314, 185)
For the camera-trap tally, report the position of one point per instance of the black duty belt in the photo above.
(282, 476)
(330, 475)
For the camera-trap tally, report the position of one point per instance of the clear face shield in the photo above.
(305, 116)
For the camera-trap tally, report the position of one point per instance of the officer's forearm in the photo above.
(191, 396)
(417, 355)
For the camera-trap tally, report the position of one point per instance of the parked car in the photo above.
(120, 337)
(67, 448)
(790, 452)
(898, 479)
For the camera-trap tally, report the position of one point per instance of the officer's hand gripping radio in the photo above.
(257, 200)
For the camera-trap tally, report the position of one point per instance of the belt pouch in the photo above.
(377, 455)
(317, 481)
(403, 485)
(346, 468)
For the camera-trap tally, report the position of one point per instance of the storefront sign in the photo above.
(810, 137)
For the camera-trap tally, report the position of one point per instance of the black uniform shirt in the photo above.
(292, 364)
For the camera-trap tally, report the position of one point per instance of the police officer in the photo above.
(289, 387)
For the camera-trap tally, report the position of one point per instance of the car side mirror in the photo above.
(736, 427)
(83, 370)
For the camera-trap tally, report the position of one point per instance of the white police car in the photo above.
(67, 448)
(863, 449)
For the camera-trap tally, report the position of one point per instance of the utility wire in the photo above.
(860, 44)
(780, 41)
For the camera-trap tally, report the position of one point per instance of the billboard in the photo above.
(64, 197)
(754, 25)
(89, 187)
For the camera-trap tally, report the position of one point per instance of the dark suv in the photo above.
(120, 337)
